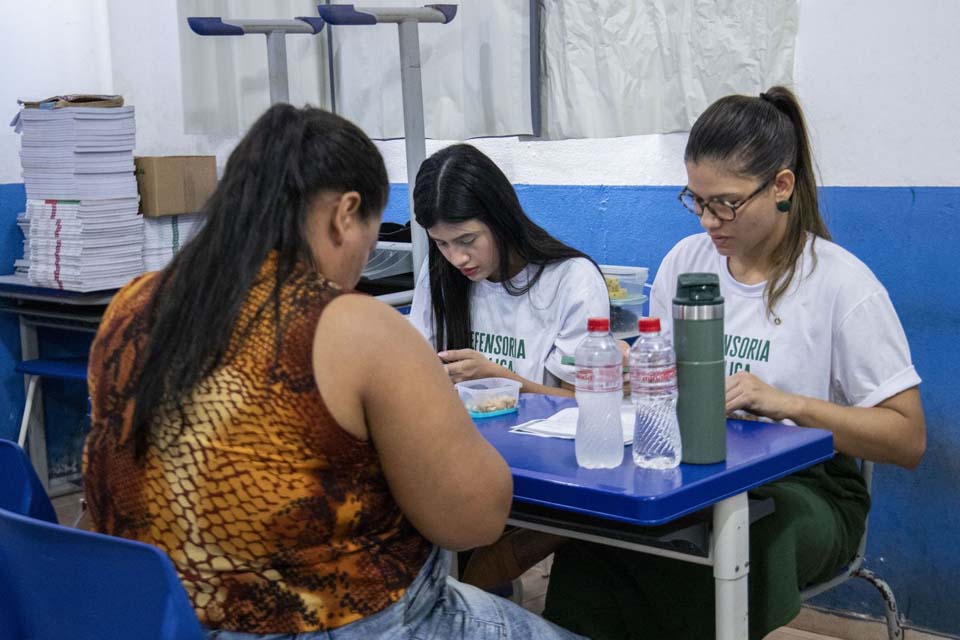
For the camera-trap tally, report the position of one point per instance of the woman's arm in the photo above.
(379, 378)
(469, 364)
(894, 431)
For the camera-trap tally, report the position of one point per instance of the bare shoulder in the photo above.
(366, 324)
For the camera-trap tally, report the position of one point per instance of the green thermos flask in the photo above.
(698, 343)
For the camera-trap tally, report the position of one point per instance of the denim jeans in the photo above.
(435, 606)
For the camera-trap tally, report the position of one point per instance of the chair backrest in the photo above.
(58, 582)
(20, 489)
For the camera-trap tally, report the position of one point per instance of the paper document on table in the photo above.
(563, 424)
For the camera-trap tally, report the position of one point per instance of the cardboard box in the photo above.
(171, 185)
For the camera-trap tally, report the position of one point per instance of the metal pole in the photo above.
(413, 129)
(36, 429)
(731, 566)
(331, 71)
(277, 67)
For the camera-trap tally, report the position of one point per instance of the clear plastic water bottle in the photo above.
(653, 388)
(599, 363)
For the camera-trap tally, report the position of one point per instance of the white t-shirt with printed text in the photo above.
(529, 333)
(838, 338)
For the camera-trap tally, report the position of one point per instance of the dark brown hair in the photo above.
(288, 157)
(757, 137)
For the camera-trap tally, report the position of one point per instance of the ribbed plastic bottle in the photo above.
(599, 391)
(653, 388)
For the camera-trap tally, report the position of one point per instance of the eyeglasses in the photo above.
(721, 209)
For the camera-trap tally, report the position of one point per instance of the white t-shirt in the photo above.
(528, 334)
(839, 338)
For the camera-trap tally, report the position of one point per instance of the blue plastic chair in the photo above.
(20, 488)
(57, 582)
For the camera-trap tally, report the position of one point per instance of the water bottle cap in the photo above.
(649, 325)
(598, 324)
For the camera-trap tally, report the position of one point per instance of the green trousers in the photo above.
(605, 592)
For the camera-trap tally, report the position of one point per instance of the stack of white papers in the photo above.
(83, 230)
(86, 245)
(563, 424)
(163, 237)
(78, 153)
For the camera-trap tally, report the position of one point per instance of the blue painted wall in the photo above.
(12, 202)
(908, 236)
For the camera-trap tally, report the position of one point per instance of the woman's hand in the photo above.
(892, 431)
(747, 392)
(468, 364)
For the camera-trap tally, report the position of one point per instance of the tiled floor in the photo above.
(68, 508)
(809, 625)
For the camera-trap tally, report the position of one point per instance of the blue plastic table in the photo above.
(545, 473)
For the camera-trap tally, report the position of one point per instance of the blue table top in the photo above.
(545, 470)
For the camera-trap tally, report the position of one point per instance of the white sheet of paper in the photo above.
(563, 424)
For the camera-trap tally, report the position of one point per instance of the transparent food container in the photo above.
(488, 397)
(626, 287)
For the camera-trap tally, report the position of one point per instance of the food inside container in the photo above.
(488, 397)
(625, 287)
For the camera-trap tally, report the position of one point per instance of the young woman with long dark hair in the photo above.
(265, 426)
(826, 350)
(499, 296)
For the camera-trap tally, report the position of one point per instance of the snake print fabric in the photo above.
(277, 520)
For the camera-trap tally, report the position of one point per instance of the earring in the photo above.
(783, 206)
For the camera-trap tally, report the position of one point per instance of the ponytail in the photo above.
(760, 137)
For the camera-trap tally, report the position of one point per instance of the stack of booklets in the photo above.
(163, 236)
(85, 245)
(85, 233)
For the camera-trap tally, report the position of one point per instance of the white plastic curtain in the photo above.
(224, 78)
(476, 70)
(630, 67)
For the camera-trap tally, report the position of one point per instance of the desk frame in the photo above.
(545, 475)
(32, 306)
(729, 556)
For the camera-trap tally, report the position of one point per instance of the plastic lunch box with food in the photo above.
(488, 397)
(625, 286)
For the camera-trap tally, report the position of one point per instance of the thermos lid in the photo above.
(698, 289)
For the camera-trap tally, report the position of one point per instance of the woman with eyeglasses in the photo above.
(811, 338)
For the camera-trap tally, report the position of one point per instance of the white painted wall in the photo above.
(48, 48)
(877, 77)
